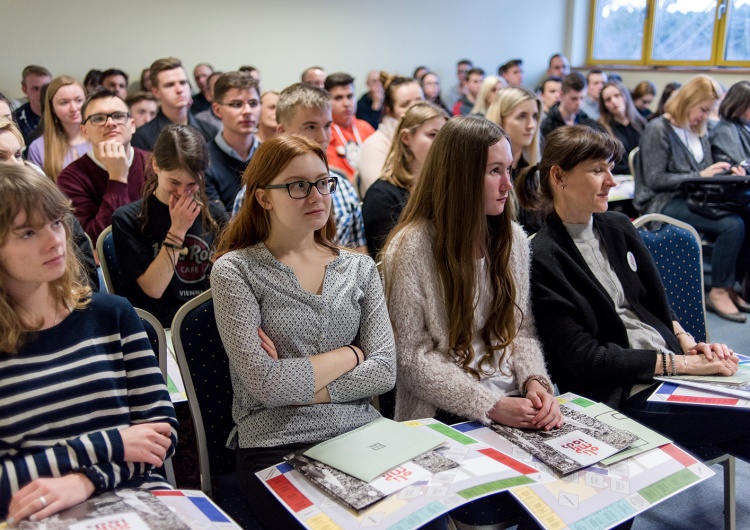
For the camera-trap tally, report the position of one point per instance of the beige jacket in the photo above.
(428, 378)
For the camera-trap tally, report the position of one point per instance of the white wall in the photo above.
(280, 37)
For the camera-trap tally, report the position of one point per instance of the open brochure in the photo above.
(368, 452)
(580, 442)
(358, 494)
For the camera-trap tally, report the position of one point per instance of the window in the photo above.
(670, 32)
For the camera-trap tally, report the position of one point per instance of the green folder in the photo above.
(375, 448)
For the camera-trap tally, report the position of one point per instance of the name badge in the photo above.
(631, 262)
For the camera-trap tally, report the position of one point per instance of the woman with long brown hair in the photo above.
(62, 141)
(164, 241)
(456, 271)
(323, 346)
(621, 120)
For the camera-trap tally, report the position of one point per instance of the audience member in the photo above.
(512, 72)
(252, 72)
(669, 90)
(387, 196)
(277, 263)
(456, 272)
(146, 84)
(601, 309)
(164, 241)
(115, 81)
(11, 149)
(92, 80)
(459, 90)
(430, 84)
(62, 141)
(675, 147)
(202, 100)
(398, 94)
(419, 71)
(370, 104)
(111, 174)
(171, 88)
(730, 138)
(349, 133)
(487, 93)
(267, 125)
(549, 92)
(315, 75)
(5, 108)
(208, 116)
(143, 107)
(559, 66)
(621, 119)
(595, 80)
(643, 94)
(305, 109)
(568, 110)
(28, 115)
(474, 78)
(88, 410)
(237, 104)
(517, 110)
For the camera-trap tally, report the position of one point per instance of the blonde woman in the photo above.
(61, 141)
(491, 85)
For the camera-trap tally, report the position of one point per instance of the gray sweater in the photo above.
(665, 161)
(730, 142)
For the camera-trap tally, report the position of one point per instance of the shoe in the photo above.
(732, 317)
(742, 306)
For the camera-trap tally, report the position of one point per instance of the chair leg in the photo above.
(730, 509)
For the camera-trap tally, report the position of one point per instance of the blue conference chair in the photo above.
(111, 272)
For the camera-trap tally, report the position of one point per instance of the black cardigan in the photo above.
(585, 341)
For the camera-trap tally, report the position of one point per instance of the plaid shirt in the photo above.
(347, 213)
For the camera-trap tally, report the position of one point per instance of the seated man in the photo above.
(549, 93)
(349, 133)
(112, 173)
(595, 80)
(237, 105)
(459, 90)
(371, 102)
(201, 100)
(143, 107)
(116, 81)
(559, 66)
(315, 75)
(474, 78)
(208, 115)
(171, 88)
(512, 72)
(568, 110)
(305, 109)
(28, 115)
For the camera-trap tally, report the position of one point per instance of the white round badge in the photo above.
(631, 262)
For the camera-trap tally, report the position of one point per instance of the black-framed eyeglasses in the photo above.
(120, 118)
(301, 188)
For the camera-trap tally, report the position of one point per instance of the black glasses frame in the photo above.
(327, 190)
(108, 116)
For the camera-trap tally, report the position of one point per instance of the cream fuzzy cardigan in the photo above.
(428, 378)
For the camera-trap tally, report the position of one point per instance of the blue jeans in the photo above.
(729, 232)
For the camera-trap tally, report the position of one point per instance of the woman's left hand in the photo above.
(549, 415)
(46, 496)
(267, 345)
(721, 351)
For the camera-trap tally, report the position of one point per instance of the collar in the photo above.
(96, 161)
(224, 146)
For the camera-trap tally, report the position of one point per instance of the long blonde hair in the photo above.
(400, 156)
(22, 189)
(56, 141)
(699, 88)
(505, 101)
(450, 198)
(488, 85)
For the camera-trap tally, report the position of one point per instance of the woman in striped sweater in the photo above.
(83, 406)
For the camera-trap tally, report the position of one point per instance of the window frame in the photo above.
(718, 44)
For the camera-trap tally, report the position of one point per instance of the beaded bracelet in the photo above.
(664, 363)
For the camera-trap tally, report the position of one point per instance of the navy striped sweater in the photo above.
(67, 393)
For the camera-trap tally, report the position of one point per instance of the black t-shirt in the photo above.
(136, 248)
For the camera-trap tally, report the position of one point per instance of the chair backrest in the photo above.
(158, 339)
(676, 249)
(204, 367)
(111, 272)
(634, 159)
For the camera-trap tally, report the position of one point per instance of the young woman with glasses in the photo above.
(303, 322)
(164, 241)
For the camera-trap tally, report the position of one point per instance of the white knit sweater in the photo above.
(428, 376)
